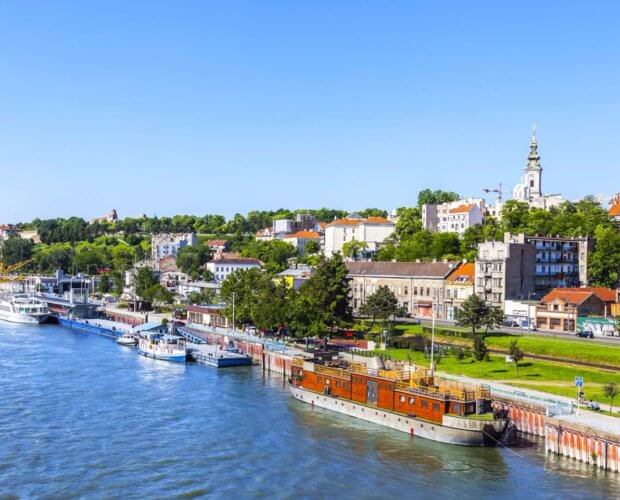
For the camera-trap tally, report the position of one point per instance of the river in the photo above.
(83, 417)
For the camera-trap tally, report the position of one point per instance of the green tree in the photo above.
(516, 353)
(353, 249)
(205, 296)
(611, 391)
(408, 222)
(144, 282)
(428, 196)
(16, 249)
(381, 304)
(190, 259)
(474, 313)
(312, 247)
(323, 301)
(105, 283)
(515, 216)
(605, 260)
(275, 254)
(481, 351)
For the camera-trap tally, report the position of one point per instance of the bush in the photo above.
(449, 332)
(415, 343)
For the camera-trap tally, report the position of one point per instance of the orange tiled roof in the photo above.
(605, 294)
(569, 295)
(461, 209)
(313, 235)
(356, 222)
(464, 274)
(614, 211)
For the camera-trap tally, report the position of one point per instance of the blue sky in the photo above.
(223, 107)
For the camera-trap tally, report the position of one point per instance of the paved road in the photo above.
(518, 331)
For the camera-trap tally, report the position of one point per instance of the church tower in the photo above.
(533, 171)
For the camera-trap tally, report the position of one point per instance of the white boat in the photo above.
(162, 346)
(127, 339)
(22, 308)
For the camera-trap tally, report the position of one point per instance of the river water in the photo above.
(83, 417)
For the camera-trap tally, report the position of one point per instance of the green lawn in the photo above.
(578, 350)
(538, 375)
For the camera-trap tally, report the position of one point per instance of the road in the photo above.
(519, 331)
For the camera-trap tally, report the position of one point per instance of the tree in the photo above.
(427, 196)
(373, 212)
(481, 352)
(312, 247)
(105, 283)
(611, 391)
(381, 304)
(353, 249)
(190, 258)
(475, 313)
(275, 254)
(516, 353)
(144, 282)
(408, 222)
(16, 249)
(322, 301)
(605, 260)
(205, 296)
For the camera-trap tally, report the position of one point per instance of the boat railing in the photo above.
(298, 361)
(333, 372)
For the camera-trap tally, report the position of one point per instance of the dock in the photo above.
(216, 356)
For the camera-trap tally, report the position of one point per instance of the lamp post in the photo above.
(433, 340)
(233, 311)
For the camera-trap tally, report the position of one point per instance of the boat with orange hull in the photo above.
(405, 398)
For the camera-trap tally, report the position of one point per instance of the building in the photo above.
(614, 208)
(111, 216)
(459, 286)
(264, 234)
(529, 190)
(560, 309)
(373, 231)
(504, 271)
(223, 268)
(294, 277)
(208, 315)
(520, 313)
(284, 227)
(560, 262)
(453, 216)
(170, 276)
(217, 245)
(166, 245)
(8, 231)
(301, 238)
(30, 235)
(184, 289)
(418, 286)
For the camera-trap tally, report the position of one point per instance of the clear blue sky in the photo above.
(222, 107)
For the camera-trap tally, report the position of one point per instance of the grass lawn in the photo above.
(578, 350)
(543, 376)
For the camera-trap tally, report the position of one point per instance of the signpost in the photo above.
(579, 386)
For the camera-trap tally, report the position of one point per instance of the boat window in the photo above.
(411, 401)
(402, 399)
(424, 403)
(435, 406)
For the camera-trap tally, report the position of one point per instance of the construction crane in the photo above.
(498, 190)
(4, 269)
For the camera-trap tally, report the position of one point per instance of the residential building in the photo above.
(529, 190)
(217, 245)
(560, 309)
(504, 271)
(459, 286)
(223, 268)
(560, 262)
(418, 286)
(184, 289)
(281, 228)
(166, 245)
(614, 208)
(264, 234)
(454, 216)
(30, 235)
(301, 238)
(170, 276)
(294, 277)
(207, 315)
(521, 313)
(7, 231)
(372, 230)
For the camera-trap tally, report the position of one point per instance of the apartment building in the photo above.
(561, 308)
(504, 271)
(223, 268)
(418, 286)
(454, 216)
(459, 287)
(372, 230)
(168, 245)
(301, 238)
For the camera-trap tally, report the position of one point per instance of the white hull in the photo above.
(403, 423)
(24, 319)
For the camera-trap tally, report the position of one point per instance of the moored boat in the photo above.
(404, 398)
(127, 339)
(162, 346)
(24, 309)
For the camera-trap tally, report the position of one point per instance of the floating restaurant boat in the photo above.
(405, 398)
(162, 346)
(24, 309)
(214, 355)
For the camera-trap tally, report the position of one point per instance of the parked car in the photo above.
(586, 334)
(529, 328)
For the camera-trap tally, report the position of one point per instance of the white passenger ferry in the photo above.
(22, 308)
(162, 346)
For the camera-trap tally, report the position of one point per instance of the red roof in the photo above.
(614, 211)
(309, 235)
(579, 295)
(463, 274)
(461, 209)
(216, 243)
(357, 222)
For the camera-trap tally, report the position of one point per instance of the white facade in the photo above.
(301, 238)
(454, 216)
(168, 245)
(372, 231)
(223, 268)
